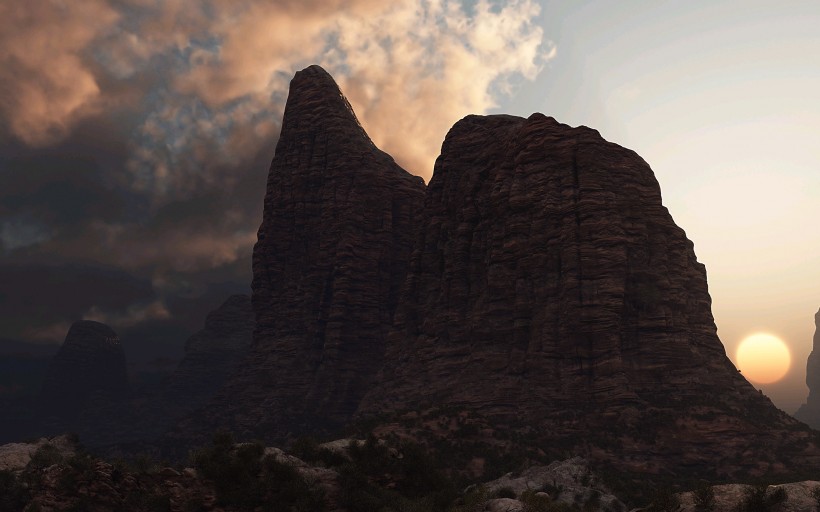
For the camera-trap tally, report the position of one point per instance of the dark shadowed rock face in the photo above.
(337, 231)
(810, 411)
(89, 369)
(212, 354)
(550, 288)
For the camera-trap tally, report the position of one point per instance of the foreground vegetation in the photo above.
(364, 476)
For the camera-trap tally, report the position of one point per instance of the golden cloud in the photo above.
(47, 85)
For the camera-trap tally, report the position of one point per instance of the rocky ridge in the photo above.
(809, 412)
(54, 474)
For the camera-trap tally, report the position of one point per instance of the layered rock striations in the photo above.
(809, 412)
(551, 290)
(332, 251)
(88, 372)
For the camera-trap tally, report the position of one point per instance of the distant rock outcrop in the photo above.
(89, 370)
(336, 235)
(810, 411)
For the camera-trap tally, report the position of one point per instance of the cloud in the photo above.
(410, 69)
(46, 83)
(219, 73)
(133, 315)
(416, 70)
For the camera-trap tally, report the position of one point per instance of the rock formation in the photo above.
(87, 371)
(543, 292)
(809, 412)
(211, 357)
(212, 354)
(336, 234)
(552, 291)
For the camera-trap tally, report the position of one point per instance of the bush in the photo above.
(45, 456)
(473, 501)
(79, 467)
(664, 500)
(757, 499)
(504, 492)
(307, 449)
(533, 502)
(13, 496)
(815, 493)
(704, 498)
(244, 477)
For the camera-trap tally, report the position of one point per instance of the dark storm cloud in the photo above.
(36, 297)
(135, 136)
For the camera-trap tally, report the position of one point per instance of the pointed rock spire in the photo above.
(338, 227)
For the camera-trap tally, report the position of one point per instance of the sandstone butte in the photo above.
(538, 284)
(810, 411)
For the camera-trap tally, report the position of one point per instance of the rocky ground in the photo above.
(344, 475)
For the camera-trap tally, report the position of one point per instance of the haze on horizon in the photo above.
(135, 138)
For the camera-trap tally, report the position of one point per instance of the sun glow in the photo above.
(763, 358)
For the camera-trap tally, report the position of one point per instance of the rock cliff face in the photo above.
(810, 411)
(211, 357)
(548, 263)
(88, 370)
(551, 290)
(336, 235)
(212, 354)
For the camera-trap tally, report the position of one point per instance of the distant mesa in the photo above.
(809, 412)
(88, 369)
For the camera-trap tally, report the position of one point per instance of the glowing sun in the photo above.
(763, 358)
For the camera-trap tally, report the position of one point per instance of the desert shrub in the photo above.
(553, 490)
(757, 499)
(13, 495)
(147, 502)
(234, 472)
(79, 467)
(815, 493)
(504, 492)
(308, 449)
(245, 478)
(593, 502)
(472, 501)
(415, 481)
(704, 497)
(664, 500)
(144, 463)
(533, 502)
(284, 485)
(45, 456)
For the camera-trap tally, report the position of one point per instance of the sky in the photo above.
(135, 138)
